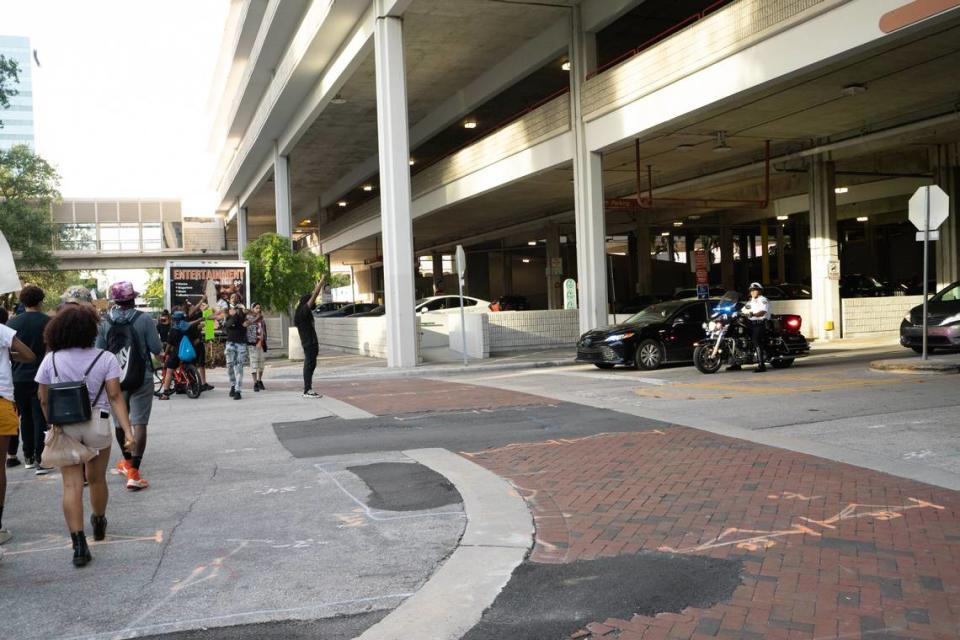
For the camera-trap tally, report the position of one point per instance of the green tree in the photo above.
(339, 279)
(28, 186)
(54, 283)
(9, 76)
(278, 274)
(153, 292)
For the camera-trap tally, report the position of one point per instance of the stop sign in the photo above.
(939, 206)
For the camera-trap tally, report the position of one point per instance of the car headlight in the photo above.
(617, 337)
(954, 318)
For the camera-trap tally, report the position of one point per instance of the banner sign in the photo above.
(187, 281)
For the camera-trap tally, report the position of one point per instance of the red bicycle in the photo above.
(186, 379)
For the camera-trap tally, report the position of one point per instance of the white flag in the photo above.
(8, 270)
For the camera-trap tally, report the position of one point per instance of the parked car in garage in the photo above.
(346, 310)
(328, 306)
(378, 310)
(661, 333)
(687, 294)
(787, 291)
(943, 322)
(509, 303)
(639, 303)
(857, 285)
(451, 304)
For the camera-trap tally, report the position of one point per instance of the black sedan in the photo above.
(943, 322)
(661, 333)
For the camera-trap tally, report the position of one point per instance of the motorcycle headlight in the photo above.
(712, 326)
(617, 337)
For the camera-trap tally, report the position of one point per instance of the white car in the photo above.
(451, 304)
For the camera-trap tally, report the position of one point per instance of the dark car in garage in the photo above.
(943, 322)
(662, 333)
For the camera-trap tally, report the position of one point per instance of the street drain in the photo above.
(548, 601)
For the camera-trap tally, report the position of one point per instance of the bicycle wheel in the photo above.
(192, 377)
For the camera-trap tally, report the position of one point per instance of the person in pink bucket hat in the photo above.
(132, 337)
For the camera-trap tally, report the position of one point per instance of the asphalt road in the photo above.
(830, 405)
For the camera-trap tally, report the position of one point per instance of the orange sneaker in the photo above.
(134, 481)
(122, 468)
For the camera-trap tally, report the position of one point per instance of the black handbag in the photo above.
(69, 402)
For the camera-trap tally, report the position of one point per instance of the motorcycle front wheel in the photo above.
(705, 361)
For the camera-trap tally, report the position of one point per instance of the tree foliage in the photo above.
(339, 279)
(28, 185)
(278, 274)
(153, 292)
(53, 283)
(9, 76)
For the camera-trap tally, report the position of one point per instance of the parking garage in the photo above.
(611, 156)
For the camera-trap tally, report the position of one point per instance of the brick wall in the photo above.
(864, 316)
(717, 36)
(520, 330)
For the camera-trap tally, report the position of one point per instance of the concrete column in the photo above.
(589, 52)
(824, 250)
(588, 195)
(554, 290)
(281, 191)
(726, 258)
(397, 225)
(643, 261)
(744, 242)
(946, 167)
(506, 271)
(781, 254)
(764, 252)
(241, 231)
(437, 259)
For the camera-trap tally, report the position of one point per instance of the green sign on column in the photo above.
(569, 293)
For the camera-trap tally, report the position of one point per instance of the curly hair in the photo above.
(74, 327)
(32, 295)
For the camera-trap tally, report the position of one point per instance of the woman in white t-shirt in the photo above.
(10, 349)
(69, 337)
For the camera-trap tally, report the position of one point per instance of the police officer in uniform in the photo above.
(757, 311)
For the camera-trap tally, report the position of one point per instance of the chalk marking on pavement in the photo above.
(66, 544)
(790, 495)
(129, 632)
(762, 540)
(378, 518)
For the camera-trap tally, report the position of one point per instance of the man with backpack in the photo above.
(132, 337)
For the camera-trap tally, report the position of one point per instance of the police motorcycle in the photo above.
(729, 341)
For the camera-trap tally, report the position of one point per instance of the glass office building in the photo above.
(111, 226)
(17, 118)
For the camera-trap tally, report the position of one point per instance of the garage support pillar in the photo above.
(437, 259)
(726, 258)
(241, 231)
(946, 168)
(824, 251)
(781, 254)
(554, 267)
(281, 193)
(643, 261)
(506, 270)
(588, 194)
(397, 223)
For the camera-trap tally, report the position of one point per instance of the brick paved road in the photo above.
(829, 550)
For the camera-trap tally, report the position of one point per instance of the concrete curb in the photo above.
(498, 535)
(915, 365)
(429, 370)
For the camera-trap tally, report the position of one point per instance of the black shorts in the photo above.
(201, 350)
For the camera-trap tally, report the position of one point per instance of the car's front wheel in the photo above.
(649, 355)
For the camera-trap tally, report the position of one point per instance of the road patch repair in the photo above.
(398, 486)
(827, 550)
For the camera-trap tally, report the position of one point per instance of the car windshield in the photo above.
(657, 312)
(950, 294)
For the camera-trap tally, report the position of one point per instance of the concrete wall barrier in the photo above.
(866, 316)
(478, 334)
(361, 336)
(522, 330)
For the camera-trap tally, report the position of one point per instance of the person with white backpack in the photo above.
(133, 338)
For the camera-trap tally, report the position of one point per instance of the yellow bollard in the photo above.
(828, 325)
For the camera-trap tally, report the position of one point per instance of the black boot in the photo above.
(81, 552)
(99, 524)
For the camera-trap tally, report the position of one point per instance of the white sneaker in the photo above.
(311, 394)
(5, 535)
(42, 471)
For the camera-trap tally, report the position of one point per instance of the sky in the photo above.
(121, 97)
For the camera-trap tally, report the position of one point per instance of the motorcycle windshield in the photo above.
(728, 302)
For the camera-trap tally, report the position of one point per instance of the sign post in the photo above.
(703, 274)
(461, 270)
(929, 208)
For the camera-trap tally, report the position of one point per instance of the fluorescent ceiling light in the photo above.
(532, 243)
(678, 224)
(693, 217)
(367, 187)
(412, 162)
(841, 190)
(307, 221)
(863, 219)
(342, 203)
(526, 259)
(782, 218)
(665, 233)
(339, 99)
(470, 124)
(565, 66)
